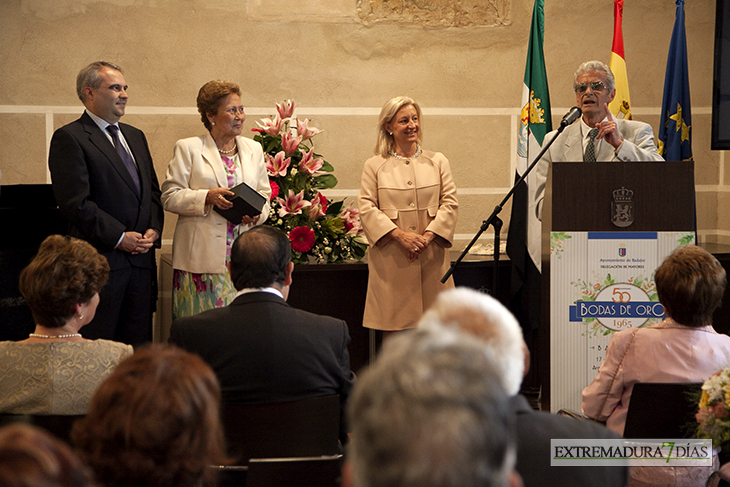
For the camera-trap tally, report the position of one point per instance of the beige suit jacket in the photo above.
(415, 195)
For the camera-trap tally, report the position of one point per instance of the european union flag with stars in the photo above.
(675, 129)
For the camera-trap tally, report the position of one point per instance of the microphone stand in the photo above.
(496, 222)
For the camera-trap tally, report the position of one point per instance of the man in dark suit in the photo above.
(105, 185)
(487, 320)
(262, 349)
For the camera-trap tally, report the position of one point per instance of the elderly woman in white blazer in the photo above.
(198, 178)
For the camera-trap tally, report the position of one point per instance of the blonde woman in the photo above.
(408, 209)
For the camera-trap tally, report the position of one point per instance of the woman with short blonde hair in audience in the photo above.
(155, 422)
(55, 370)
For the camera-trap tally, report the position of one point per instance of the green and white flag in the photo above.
(523, 242)
(535, 123)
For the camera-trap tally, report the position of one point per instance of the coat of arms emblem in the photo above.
(622, 207)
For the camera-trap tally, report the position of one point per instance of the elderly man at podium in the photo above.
(598, 136)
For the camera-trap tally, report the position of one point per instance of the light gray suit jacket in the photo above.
(638, 145)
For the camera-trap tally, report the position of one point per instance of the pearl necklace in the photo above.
(70, 335)
(227, 151)
(414, 156)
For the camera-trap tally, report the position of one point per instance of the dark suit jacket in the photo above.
(95, 192)
(263, 350)
(535, 430)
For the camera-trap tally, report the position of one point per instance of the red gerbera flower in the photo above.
(302, 239)
(274, 189)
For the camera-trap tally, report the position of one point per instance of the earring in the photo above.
(391, 133)
(81, 315)
(212, 123)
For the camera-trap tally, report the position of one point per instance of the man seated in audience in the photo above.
(262, 349)
(430, 412)
(500, 336)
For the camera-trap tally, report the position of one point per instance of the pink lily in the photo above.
(290, 143)
(293, 203)
(308, 164)
(305, 131)
(318, 208)
(351, 217)
(271, 127)
(277, 165)
(285, 108)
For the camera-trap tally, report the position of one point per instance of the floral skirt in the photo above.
(194, 293)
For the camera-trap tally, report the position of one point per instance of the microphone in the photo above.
(571, 116)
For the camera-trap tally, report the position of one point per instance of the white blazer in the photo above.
(199, 244)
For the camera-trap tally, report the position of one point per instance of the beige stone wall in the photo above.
(341, 60)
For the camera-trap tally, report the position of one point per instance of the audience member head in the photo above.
(90, 77)
(690, 283)
(595, 66)
(32, 457)
(484, 317)
(154, 422)
(385, 141)
(66, 274)
(210, 96)
(430, 412)
(261, 257)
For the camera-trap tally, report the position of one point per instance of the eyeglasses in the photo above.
(235, 110)
(596, 86)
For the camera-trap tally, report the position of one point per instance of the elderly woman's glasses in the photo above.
(235, 110)
(596, 86)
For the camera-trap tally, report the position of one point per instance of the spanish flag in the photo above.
(621, 104)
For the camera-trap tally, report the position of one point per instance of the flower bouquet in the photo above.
(713, 415)
(319, 228)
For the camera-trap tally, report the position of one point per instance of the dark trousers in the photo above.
(125, 307)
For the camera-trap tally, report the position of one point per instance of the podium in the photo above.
(607, 226)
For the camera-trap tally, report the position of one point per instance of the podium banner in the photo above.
(601, 282)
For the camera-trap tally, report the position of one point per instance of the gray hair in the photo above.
(385, 141)
(89, 76)
(430, 413)
(595, 66)
(484, 317)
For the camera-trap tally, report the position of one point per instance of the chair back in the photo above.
(56, 424)
(659, 410)
(231, 475)
(295, 472)
(303, 428)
